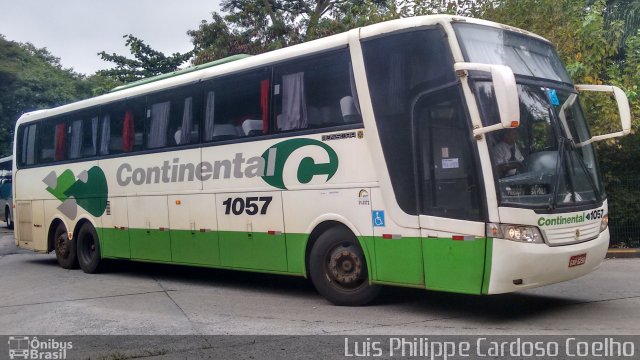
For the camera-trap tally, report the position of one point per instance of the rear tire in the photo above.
(7, 218)
(338, 269)
(89, 249)
(65, 248)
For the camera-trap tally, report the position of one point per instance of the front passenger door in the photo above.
(451, 211)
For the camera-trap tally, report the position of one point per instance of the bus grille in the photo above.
(567, 234)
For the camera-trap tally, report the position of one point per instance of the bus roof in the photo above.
(240, 62)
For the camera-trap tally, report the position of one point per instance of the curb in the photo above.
(623, 253)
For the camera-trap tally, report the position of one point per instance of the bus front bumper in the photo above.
(518, 266)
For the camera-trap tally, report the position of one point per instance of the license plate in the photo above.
(577, 260)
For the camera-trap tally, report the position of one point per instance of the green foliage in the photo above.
(257, 26)
(147, 62)
(101, 84)
(32, 79)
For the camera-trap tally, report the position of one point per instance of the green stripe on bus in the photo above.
(454, 265)
(399, 261)
(432, 263)
(487, 266)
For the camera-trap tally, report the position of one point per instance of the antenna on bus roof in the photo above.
(180, 72)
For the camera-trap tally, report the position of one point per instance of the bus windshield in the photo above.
(539, 164)
(525, 55)
(542, 163)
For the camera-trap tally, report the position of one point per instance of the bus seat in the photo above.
(227, 131)
(115, 143)
(252, 127)
(47, 153)
(348, 109)
(329, 115)
(314, 116)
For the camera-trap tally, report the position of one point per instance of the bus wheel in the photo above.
(89, 249)
(8, 219)
(338, 269)
(65, 248)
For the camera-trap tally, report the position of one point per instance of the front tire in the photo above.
(338, 269)
(89, 249)
(65, 248)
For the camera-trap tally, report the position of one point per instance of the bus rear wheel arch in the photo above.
(64, 247)
(338, 268)
(88, 248)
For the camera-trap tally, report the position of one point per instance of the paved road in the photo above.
(38, 297)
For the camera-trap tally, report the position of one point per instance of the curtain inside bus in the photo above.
(128, 132)
(60, 143)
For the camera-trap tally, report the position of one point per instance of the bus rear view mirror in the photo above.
(506, 94)
(623, 110)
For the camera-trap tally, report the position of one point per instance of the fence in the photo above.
(624, 212)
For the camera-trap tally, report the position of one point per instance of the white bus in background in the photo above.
(6, 194)
(436, 152)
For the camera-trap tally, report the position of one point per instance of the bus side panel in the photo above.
(399, 256)
(149, 237)
(454, 265)
(31, 225)
(193, 223)
(114, 239)
(65, 191)
(305, 209)
(249, 238)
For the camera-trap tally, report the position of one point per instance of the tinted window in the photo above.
(449, 185)
(315, 92)
(399, 69)
(82, 135)
(122, 126)
(172, 118)
(51, 141)
(236, 106)
(525, 55)
(27, 147)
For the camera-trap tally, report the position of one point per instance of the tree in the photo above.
(625, 11)
(147, 62)
(256, 26)
(30, 79)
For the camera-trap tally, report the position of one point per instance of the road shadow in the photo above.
(498, 308)
(491, 309)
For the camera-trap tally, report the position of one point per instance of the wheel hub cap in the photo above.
(345, 266)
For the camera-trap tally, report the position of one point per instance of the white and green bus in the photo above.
(436, 152)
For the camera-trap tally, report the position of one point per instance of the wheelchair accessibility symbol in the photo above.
(378, 217)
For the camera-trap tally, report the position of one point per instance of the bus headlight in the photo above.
(520, 233)
(604, 223)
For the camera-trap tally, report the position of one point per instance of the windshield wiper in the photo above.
(553, 202)
(584, 168)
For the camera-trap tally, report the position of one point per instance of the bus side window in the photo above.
(83, 135)
(51, 141)
(172, 118)
(27, 146)
(236, 106)
(125, 124)
(400, 67)
(315, 92)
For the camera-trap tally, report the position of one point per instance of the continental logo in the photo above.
(575, 219)
(291, 162)
(88, 190)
